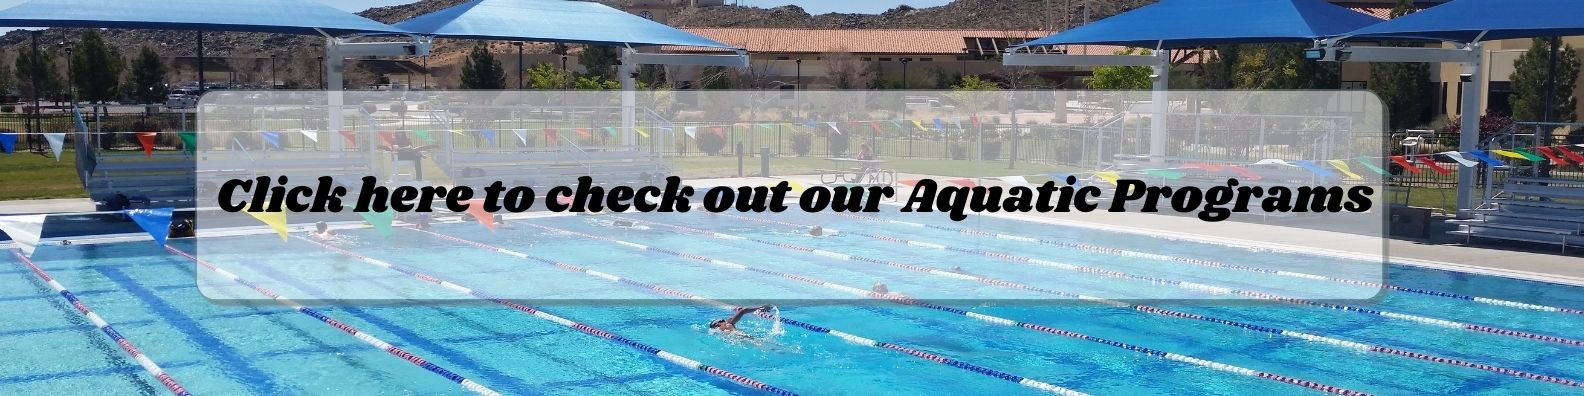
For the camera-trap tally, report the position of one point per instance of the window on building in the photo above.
(867, 59)
(788, 91)
(926, 59)
(885, 59)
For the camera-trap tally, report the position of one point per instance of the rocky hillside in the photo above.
(297, 52)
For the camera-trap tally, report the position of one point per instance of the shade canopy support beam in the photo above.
(1471, 58)
(627, 71)
(337, 50)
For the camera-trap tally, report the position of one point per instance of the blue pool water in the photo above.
(261, 347)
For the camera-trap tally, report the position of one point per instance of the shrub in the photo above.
(8, 109)
(990, 150)
(838, 143)
(709, 142)
(802, 143)
(370, 108)
(959, 151)
(399, 108)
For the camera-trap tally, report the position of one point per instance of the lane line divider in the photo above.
(1190, 286)
(136, 354)
(591, 330)
(1350, 345)
(979, 316)
(1217, 264)
(849, 337)
(343, 327)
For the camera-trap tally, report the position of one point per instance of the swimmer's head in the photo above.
(500, 219)
(816, 230)
(321, 227)
(717, 323)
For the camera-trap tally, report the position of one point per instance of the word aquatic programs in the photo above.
(1212, 204)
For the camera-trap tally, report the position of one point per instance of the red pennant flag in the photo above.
(1430, 163)
(1207, 166)
(876, 125)
(1555, 159)
(975, 120)
(351, 138)
(1409, 166)
(564, 199)
(1571, 155)
(551, 137)
(1247, 174)
(388, 137)
(964, 182)
(584, 132)
(909, 182)
(718, 132)
(476, 209)
(147, 139)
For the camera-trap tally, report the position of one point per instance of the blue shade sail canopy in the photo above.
(265, 16)
(563, 21)
(1465, 20)
(1199, 23)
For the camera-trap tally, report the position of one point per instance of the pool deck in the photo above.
(38, 206)
(1523, 261)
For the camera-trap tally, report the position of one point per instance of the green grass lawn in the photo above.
(32, 176)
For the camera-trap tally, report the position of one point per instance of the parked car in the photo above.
(181, 101)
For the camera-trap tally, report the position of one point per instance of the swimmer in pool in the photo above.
(323, 231)
(880, 288)
(729, 325)
(816, 231)
(500, 221)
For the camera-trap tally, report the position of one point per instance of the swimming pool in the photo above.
(614, 310)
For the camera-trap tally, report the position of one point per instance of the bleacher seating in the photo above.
(608, 166)
(1530, 209)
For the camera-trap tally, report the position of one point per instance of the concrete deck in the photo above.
(42, 206)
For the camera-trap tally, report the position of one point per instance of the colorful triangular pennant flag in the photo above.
(24, 230)
(57, 142)
(156, 222)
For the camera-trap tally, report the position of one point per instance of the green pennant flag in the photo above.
(610, 131)
(1165, 174)
(424, 134)
(1370, 164)
(1530, 155)
(189, 141)
(380, 220)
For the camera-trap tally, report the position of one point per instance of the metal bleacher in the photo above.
(1530, 209)
(542, 168)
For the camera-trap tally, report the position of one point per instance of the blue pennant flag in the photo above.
(489, 135)
(1316, 168)
(154, 221)
(1062, 178)
(1484, 156)
(82, 125)
(273, 138)
(938, 126)
(7, 142)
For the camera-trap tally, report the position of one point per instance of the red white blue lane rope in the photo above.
(849, 337)
(975, 315)
(591, 330)
(99, 322)
(345, 328)
(1221, 265)
(1351, 345)
(1191, 286)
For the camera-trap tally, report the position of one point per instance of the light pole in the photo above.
(799, 73)
(71, 88)
(322, 82)
(274, 80)
(904, 72)
(519, 45)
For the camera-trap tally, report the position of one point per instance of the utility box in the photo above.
(1408, 221)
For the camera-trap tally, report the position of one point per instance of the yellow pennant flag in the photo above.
(920, 125)
(1109, 177)
(1342, 166)
(641, 132)
(796, 187)
(457, 131)
(275, 220)
(1509, 154)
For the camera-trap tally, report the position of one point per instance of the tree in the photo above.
(49, 82)
(96, 69)
(482, 70)
(1403, 87)
(1122, 77)
(7, 79)
(1529, 80)
(147, 78)
(600, 60)
(547, 76)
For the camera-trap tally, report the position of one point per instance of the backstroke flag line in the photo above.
(57, 142)
(24, 230)
(275, 220)
(380, 220)
(156, 222)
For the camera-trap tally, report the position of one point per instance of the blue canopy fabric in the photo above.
(1465, 20)
(267, 16)
(563, 21)
(1198, 23)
